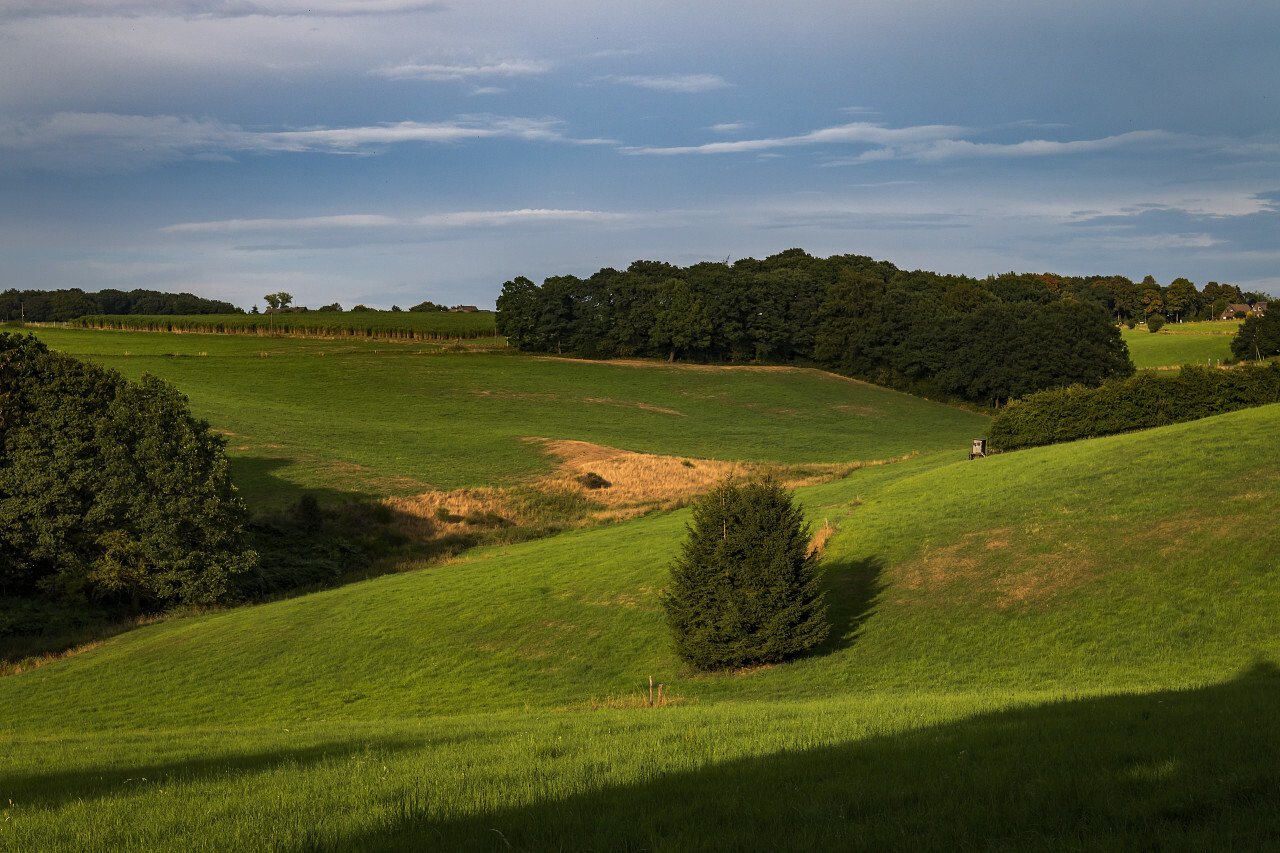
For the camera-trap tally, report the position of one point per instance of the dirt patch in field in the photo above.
(1001, 568)
(637, 483)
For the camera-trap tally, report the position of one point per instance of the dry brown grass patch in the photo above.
(999, 568)
(644, 481)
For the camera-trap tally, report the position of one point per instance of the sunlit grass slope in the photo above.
(1181, 343)
(395, 419)
(1068, 646)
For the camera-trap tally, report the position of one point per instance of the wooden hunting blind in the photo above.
(979, 448)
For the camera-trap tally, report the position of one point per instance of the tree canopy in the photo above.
(981, 340)
(110, 490)
(41, 306)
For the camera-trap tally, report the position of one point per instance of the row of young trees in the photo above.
(984, 340)
(58, 306)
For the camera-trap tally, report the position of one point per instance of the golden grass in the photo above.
(639, 483)
(644, 481)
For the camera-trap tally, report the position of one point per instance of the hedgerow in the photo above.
(1145, 400)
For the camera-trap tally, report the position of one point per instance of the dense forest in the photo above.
(56, 306)
(982, 340)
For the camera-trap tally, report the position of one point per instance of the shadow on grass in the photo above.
(852, 587)
(264, 490)
(52, 789)
(1178, 770)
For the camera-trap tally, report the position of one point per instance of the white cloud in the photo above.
(454, 219)
(935, 143)
(234, 226)
(112, 142)
(845, 134)
(682, 83)
(212, 8)
(475, 218)
(433, 72)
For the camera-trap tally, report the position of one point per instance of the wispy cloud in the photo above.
(443, 72)
(934, 143)
(855, 133)
(478, 218)
(237, 226)
(114, 142)
(453, 219)
(212, 8)
(682, 83)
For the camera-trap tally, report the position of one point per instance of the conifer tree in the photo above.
(745, 588)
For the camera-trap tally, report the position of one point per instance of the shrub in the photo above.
(1155, 323)
(1146, 400)
(745, 588)
(592, 480)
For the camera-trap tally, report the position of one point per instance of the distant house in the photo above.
(291, 309)
(1235, 312)
(464, 309)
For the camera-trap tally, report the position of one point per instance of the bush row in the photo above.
(1145, 400)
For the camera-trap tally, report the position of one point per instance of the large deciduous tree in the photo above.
(745, 588)
(1259, 337)
(110, 491)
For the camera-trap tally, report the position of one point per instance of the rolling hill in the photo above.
(1070, 646)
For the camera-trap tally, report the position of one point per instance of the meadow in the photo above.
(1177, 344)
(1069, 647)
(376, 419)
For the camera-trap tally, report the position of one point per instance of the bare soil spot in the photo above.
(639, 483)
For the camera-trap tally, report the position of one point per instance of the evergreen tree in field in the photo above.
(745, 588)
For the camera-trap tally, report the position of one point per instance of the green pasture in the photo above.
(371, 419)
(1177, 344)
(1070, 647)
(420, 325)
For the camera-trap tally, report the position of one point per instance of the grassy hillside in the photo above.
(393, 418)
(1070, 646)
(1181, 343)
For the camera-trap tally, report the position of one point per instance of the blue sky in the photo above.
(390, 151)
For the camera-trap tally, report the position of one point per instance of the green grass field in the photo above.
(370, 419)
(1070, 647)
(1181, 343)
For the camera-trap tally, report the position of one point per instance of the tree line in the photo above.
(57, 306)
(982, 340)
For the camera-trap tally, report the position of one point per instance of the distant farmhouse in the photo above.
(464, 309)
(1233, 312)
(290, 309)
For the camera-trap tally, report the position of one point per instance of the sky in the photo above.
(387, 152)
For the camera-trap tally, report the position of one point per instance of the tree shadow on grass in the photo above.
(852, 587)
(53, 789)
(1175, 770)
(265, 490)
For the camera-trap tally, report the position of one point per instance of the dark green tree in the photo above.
(1259, 337)
(110, 491)
(745, 588)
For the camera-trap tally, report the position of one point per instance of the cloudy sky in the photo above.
(391, 151)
